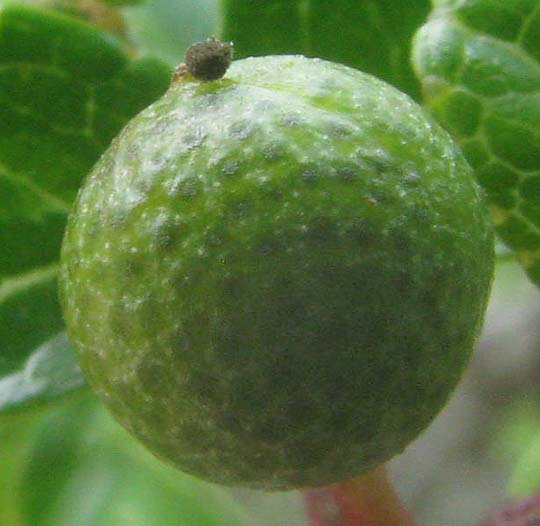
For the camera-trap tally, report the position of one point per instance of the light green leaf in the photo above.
(371, 35)
(525, 478)
(166, 28)
(85, 470)
(66, 89)
(51, 371)
(479, 62)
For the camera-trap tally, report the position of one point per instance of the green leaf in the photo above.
(166, 28)
(51, 371)
(84, 469)
(479, 62)
(371, 35)
(118, 3)
(16, 437)
(66, 89)
(525, 478)
(514, 430)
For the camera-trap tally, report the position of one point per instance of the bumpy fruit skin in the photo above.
(275, 279)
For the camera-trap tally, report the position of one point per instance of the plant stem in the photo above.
(369, 500)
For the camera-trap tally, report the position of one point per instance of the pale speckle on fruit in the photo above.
(230, 167)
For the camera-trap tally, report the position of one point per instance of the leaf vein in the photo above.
(527, 24)
(512, 47)
(56, 203)
(14, 284)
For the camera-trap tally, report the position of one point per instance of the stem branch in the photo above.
(369, 500)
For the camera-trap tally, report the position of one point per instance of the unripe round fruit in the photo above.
(275, 279)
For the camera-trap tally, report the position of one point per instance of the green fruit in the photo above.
(275, 279)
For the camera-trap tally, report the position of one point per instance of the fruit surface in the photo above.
(275, 279)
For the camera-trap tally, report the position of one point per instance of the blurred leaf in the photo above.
(166, 28)
(514, 428)
(525, 478)
(479, 61)
(85, 470)
(371, 35)
(16, 435)
(51, 371)
(117, 3)
(66, 89)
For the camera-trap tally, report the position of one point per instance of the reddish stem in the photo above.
(369, 500)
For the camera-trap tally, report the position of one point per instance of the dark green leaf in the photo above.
(85, 470)
(66, 89)
(371, 35)
(479, 62)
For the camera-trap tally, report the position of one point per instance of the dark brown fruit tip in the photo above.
(209, 60)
